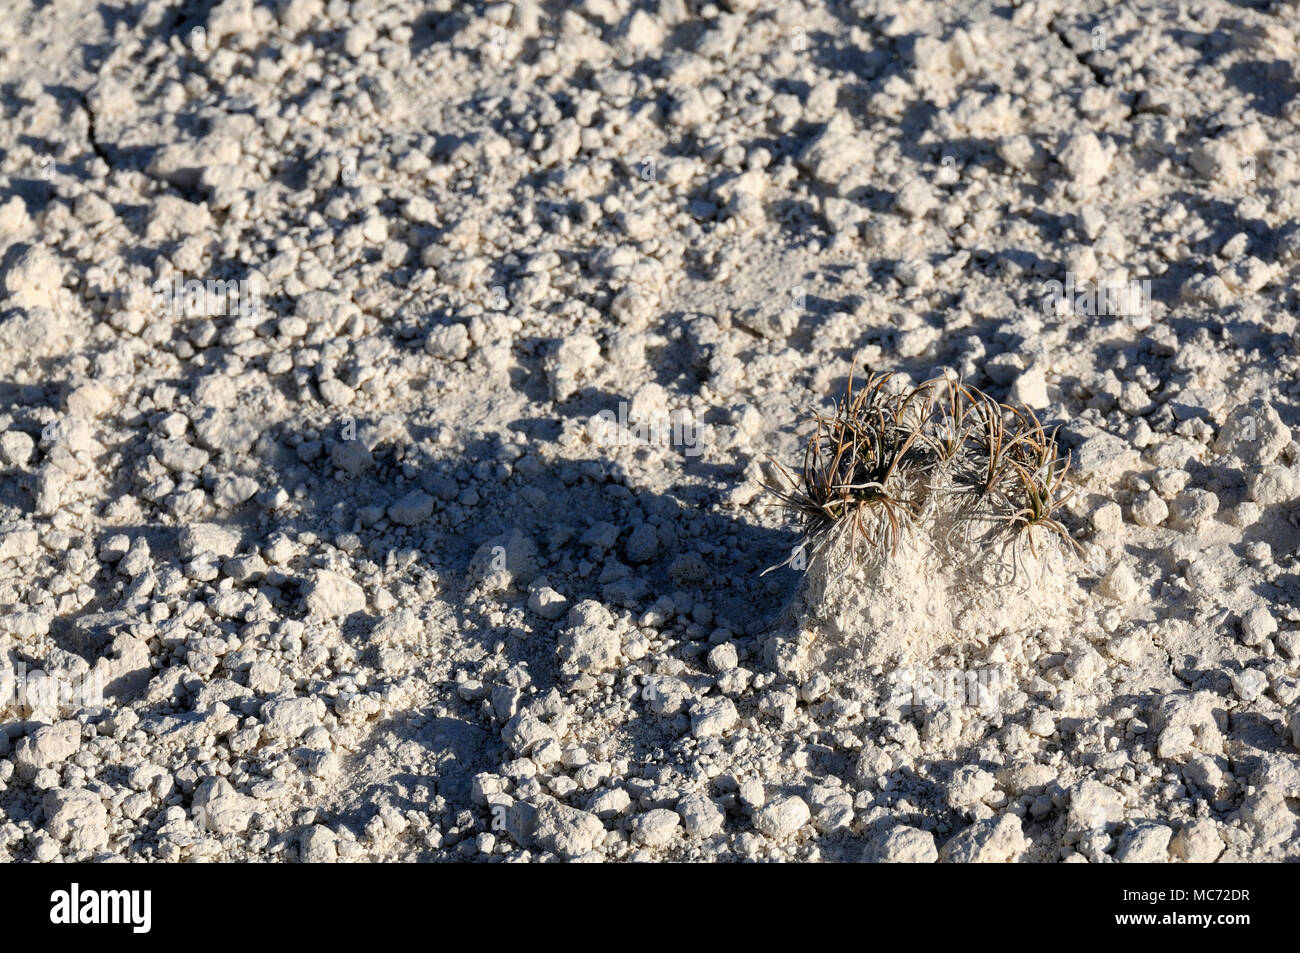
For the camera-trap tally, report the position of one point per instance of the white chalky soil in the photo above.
(348, 563)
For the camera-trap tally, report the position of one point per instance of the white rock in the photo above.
(17, 541)
(1148, 509)
(689, 109)
(209, 539)
(902, 845)
(832, 156)
(546, 602)
(1030, 388)
(231, 491)
(351, 456)
(219, 808)
(76, 816)
(782, 817)
(969, 786)
(332, 596)
(1184, 723)
(319, 845)
(915, 199)
(590, 648)
(665, 694)
(994, 841)
(1273, 484)
(655, 828)
(1198, 842)
(1120, 584)
(403, 627)
(47, 747)
(1108, 518)
(229, 18)
(90, 400)
(1193, 509)
(1084, 158)
(570, 363)
(723, 657)
(712, 717)
(1144, 843)
(525, 731)
(643, 33)
(1254, 433)
(16, 448)
(642, 544)
(13, 216)
(613, 802)
(1257, 625)
(290, 718)
(1249, 684)
(700, 815)
(1267, 815)
(505, 561)
(871, 764)
(1093, 806)
(566, 830)
(263, 677)
(450, 342)
(34, 280)
(412, 509)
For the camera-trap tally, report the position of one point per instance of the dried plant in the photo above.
(982, 478)
(949, 424)
(884, 460)
(1040, 475)
(858, 467)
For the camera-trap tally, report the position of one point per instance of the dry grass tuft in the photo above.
(984, 473)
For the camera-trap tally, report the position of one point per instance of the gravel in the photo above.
(388, 391)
